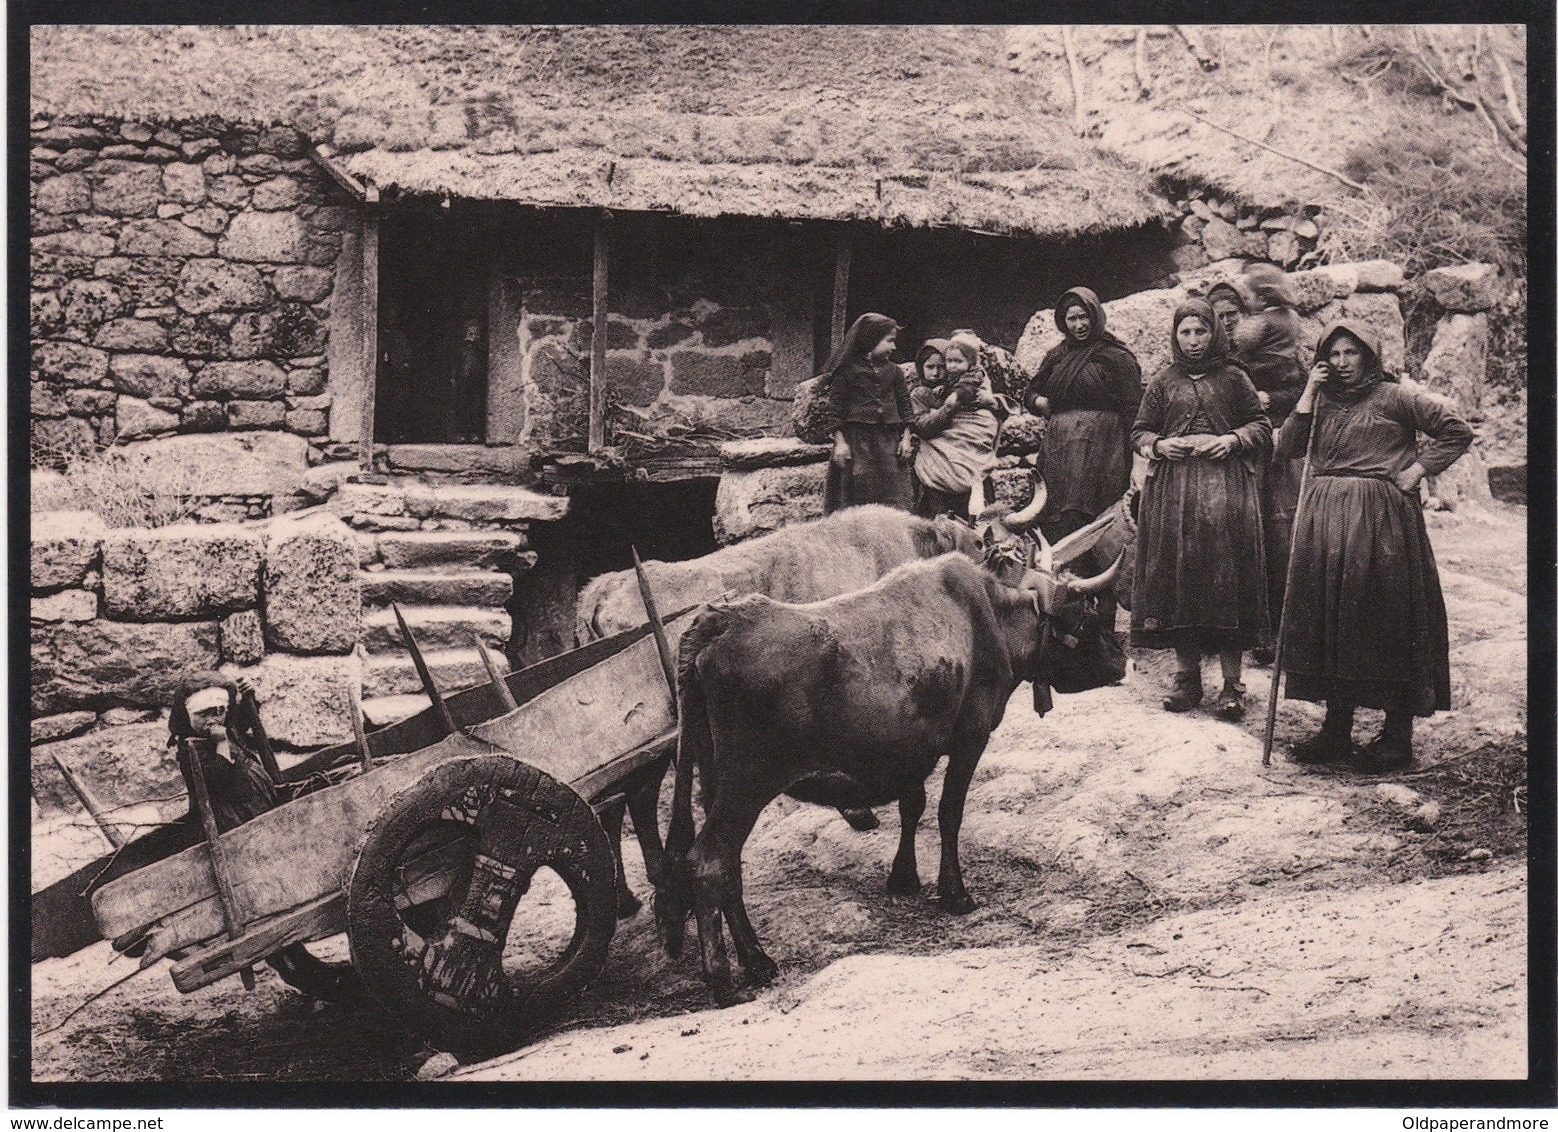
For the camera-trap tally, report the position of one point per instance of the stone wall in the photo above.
(1208, 228)
(126, 619)
(181, 281)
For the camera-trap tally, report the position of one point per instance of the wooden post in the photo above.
(93, 807)
(370, 322)
(844, 254)
(662, 644)
(218, 855)
(499, 685)
(598, 338)
(360, 733)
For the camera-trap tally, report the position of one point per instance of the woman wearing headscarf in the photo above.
(1366, 624)
(957, 417)
(869, 402)
(1089, 386)
(1230, 305)
(1200, 574)
(1266, 345)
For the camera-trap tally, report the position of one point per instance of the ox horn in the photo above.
(1046, 560)
(1084, 586)
(1021, 521)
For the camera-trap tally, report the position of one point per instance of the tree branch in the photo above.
(1143, 75)
(1076, 78)
(1510, 98)
(1205, 61)
(1348, 181)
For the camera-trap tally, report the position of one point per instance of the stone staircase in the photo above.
(447, 555)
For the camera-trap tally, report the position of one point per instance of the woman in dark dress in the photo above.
(1266, 345)
(1089, 387)
(871, 412)
(1200, 573)
(1366, 619)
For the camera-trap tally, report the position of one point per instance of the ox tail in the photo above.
(695, 748)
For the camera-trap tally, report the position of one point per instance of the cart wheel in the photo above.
(430, 907)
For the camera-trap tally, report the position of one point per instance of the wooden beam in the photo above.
(598, 337)
(844, 254)
(326, 161)
(370, 324)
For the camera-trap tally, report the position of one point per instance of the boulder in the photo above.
(163, 238)
(1314, 289)
(120, 765)
(52, 728)
(69, 364)
(134, 419)
(243, 638)
(308, 284)
(95, 664)
(256, 414)
(185, 183)
(313, 596)
(306, 701)
(65, 544)
(66, 605)
(1222, 239)
(765, 499)
(1379, 275)
(1457, 362)
(770, 452)
(237, 463)
(138, 335)
(1021, 434)
(187, 570)
(810, 413)
(1465, 286)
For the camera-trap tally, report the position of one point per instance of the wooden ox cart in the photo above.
(419, 841)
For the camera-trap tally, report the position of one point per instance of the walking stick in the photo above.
(1287, 583)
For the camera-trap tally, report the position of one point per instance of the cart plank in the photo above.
(303, 851)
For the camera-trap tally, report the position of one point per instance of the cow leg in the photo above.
(716, 863)
(758, 965)
(949, 818)
(611, 822)
(904, 880)
(644, 805)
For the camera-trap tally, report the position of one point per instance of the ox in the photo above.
(857, 698)
(838, 554)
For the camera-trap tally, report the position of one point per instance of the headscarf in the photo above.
(1085, 298)
(1269, 287)
(967, 347)
(1216, 349)
(1373, 365)
(1229, 290)
(863, 337)
(932, 346)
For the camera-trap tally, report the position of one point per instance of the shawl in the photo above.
(1373, 367)
(1064, 364)
(864, 335)
(1217, 351)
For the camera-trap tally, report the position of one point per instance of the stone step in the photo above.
(394, 675)
(435, 627)
(411, 550)
(436, 587)
(382, 711)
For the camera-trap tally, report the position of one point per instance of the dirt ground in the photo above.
(1153, 904)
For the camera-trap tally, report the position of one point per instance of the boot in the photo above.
(1186, 693)
(1333, 742)
(1391, 750)
(1230, 702)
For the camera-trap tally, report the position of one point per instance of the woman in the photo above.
(1200, 574)
(1366, 619)
(957, 417)
(1230, 306)
(1266, 345)
(1089, 387)
(870, 407)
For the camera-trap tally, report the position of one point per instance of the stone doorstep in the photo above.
(466, 549)
(478, 503)
(435, 627)
(457, 458)
(394, 675)
(437, 587)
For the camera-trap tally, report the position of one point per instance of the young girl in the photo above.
(957, 417)
(1366, 619)
(871, 414)
(1200, 573)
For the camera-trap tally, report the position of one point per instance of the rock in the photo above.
(65, 545)
(121, 765)
(1021, 434)
(184, 183)
(1221, 239)
(208, 285)
(256, 414)
(57, 441)
(101, 663)
(133, 334)
(306, 700)
(163, 238)
(1379, 275)
(188, 570)
(1479, 855)
(134, 419)
(210, 220)
(306, 381)
(1398, 795)
(486, 503)
(1463, 484)
(307, 422)
(203, 416)
(636, 378)
(1314, 289)
(313, 597)
(66, 605)
(729, 325)
(322, 480)
(266, 237)
(132, 191)
(71, 192)
(88, 303)
(274, 194)
(92, 244)
(123, 716)
(719, 375)
(480, 588)
(69, 364)
(810, 413)
(1457, 362)
(468, 459)
(455, 548)
(148, 375)
(52, 728)
(770, 452)
(765, 499)
(46, 401)
(1428, 814)
(439, 1065)
(1141, 321)
(1283, 248)
(444, 627)
(1507, 482)
(243, 637)
(307, 284)
(1465, 286)
(247, 379)
(360, 499)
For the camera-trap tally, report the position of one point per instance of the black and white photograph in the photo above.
(988, 553)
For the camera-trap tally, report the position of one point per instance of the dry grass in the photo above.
(126, 488)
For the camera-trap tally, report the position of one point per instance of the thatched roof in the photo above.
(899, 125)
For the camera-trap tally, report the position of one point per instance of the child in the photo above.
(871, 413)
(958, 421)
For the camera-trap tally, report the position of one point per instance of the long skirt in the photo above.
(1200, 565)
(1366, 619)
(1087, 467)
(874, 475)
(1278, 501)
